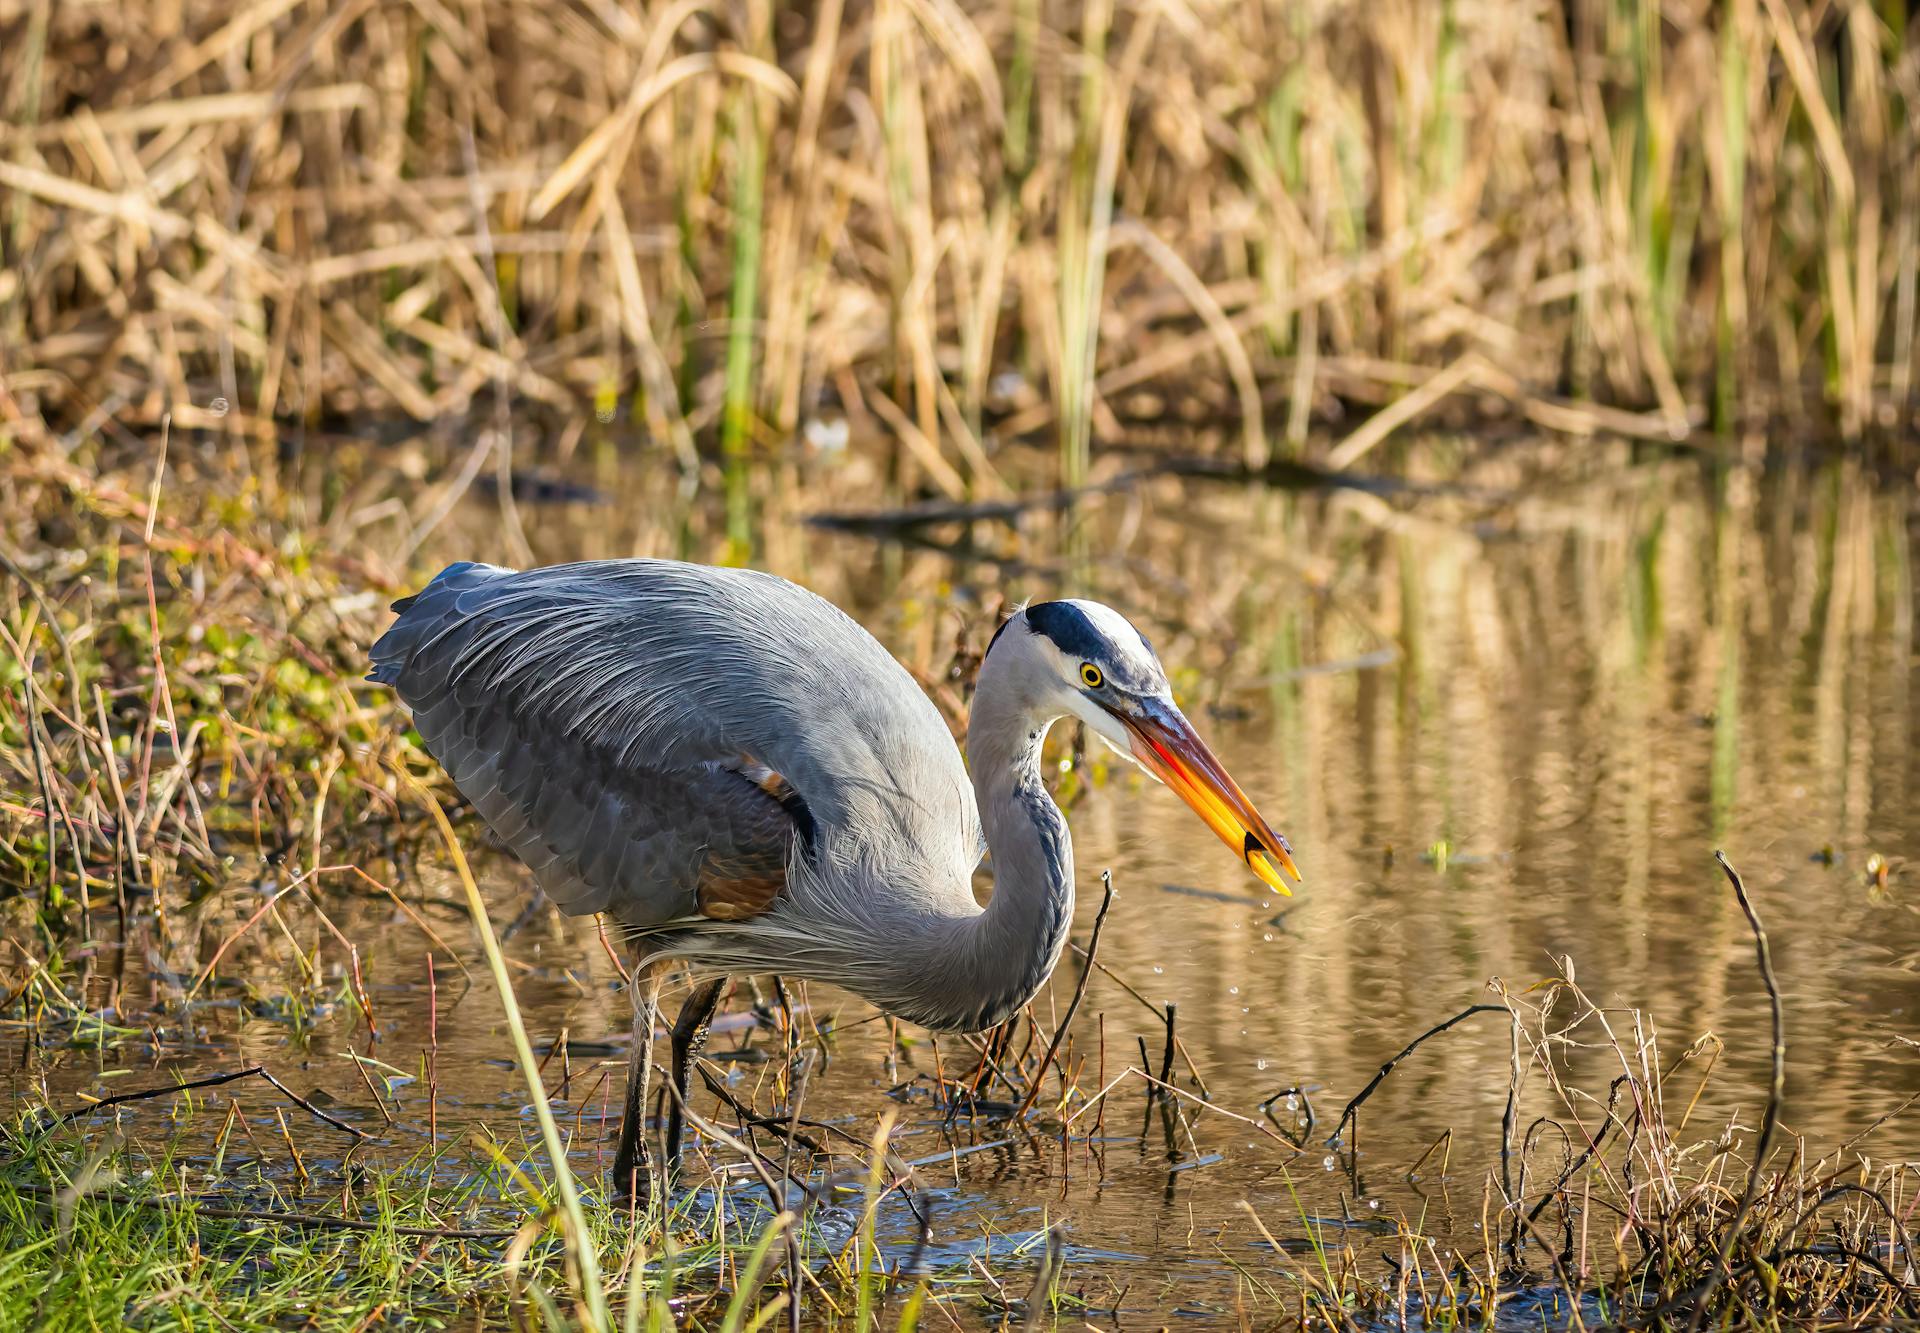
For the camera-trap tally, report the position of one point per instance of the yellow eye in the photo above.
(1090, 674)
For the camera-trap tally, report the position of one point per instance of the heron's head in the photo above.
(1085, 659)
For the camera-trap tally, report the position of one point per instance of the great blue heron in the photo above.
(743, 779)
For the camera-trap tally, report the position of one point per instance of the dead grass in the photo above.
(1612, 1206)
(959, 223)
(180, 701)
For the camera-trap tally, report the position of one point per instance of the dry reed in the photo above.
(959, 222)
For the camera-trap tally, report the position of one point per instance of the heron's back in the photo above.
(629, 725)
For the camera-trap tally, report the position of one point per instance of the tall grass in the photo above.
(583, 1262)
(1689, 212)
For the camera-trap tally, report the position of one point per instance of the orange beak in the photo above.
(1168, 747)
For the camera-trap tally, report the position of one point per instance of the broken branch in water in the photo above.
(209, 1081)
(1412, 1046)
(1776, 1092)
(1299, 1141)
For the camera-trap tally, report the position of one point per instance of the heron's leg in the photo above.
(689, 1035)
(630, 1158)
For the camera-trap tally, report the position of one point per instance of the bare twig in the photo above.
(1412, 1046)
(1776, 1093)
(1073, 1005)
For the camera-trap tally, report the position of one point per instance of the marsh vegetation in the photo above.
(1503, 418)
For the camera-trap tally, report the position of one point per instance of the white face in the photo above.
(1097, 664)
(1085, 660)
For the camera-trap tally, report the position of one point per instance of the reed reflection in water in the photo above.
(1505, 723)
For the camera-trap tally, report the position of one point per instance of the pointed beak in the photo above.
(1168, 747)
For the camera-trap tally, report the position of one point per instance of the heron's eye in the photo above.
(1090, 676)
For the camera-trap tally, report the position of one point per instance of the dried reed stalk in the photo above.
(938, 201)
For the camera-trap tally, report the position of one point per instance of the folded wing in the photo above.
(661, 741)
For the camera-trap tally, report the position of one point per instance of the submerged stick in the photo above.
(1306, 1100)
(1073, 1005)
(1166, 1054)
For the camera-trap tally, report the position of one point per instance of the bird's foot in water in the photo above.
(638, 1182)
(632, 1176)
(633, 1184)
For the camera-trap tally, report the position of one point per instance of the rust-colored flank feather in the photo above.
(736, 887)
(732, 891)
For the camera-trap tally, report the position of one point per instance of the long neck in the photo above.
(1009, 950)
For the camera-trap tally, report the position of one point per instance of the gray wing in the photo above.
(659, 740)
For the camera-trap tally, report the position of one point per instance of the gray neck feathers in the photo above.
(922, 950)
(1007, 953)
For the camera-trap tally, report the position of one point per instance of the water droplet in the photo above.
(1157, 969)
(219, 407)
(1327, 1162)
(1373, 1203)
(1233, 990)
(1259, 1064)
(1268, 936)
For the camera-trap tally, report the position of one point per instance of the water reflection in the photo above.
(1506, 723)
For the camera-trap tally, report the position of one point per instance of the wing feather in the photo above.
(656, 739)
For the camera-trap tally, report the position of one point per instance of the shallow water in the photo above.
(1504, 723)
